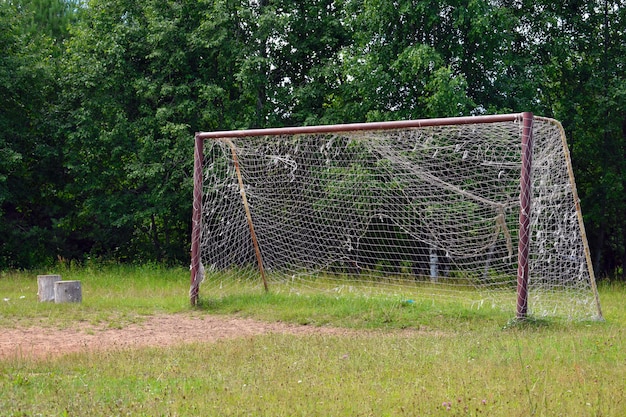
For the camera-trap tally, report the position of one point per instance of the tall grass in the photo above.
(462, 362)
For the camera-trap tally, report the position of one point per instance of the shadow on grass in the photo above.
(529, 323)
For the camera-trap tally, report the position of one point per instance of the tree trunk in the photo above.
(155, 239)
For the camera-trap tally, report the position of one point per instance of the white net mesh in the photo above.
(417, 212)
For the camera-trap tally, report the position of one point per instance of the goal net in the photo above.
(478, 208)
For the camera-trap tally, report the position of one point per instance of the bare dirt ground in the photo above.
(160, 330)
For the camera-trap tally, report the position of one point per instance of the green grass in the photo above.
(111, 294)
(463, 362)
(356, 312)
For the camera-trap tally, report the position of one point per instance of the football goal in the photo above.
(480, 208)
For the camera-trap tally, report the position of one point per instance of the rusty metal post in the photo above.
(524, 216)
(196, 226)
(398, 124)
(246, 206)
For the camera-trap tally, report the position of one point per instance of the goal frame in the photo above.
(525, 119)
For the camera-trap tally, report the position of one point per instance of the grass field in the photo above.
(424, 358)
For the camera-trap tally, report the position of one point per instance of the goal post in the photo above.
(421, 205)
(525, 198)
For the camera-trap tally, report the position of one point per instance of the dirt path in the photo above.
(160, 330)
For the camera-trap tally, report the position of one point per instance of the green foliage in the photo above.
(30, 168)
(52, 17)
(586, 68)
(129, 146)
(99, 100)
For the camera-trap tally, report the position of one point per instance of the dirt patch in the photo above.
(160, 330)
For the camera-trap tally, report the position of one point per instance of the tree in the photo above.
(400, 64)
(582, 56)
(99, 100)
(140, 79)
(30, 166)
(51, 17)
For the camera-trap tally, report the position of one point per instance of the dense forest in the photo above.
(99, 101)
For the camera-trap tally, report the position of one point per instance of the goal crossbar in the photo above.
(349, 127)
